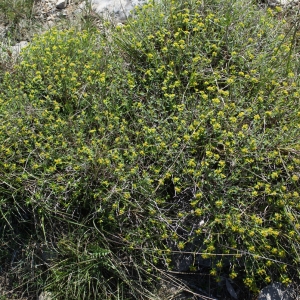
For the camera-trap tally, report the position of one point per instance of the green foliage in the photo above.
(13, 11)
(178, 131)
(17, 15)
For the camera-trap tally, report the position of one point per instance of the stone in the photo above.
(61, 4)
(285, 3)
(169, 288)
(182, 262)
(117, 9)
(230, 289)
(16, 49)
(275, 291)
(45, 296)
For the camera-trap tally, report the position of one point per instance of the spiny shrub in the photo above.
(179, 132)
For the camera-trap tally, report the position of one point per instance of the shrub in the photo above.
(178, 131)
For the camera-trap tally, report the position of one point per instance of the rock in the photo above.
(61, 4)
(275, 291)
(230, 289)
(182, 262)
(170, 288)
(62, 14)
(17, 48)
(118, 9)
(45, 296)
(286, 3)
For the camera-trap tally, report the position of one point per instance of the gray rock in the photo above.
(117, 9)
(286, 3)
(182, 262)
(45, 296)
(17, 48)
(275, 291)
(61, 4)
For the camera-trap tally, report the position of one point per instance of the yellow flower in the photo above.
(219, 203)
(268, 279)
(248, 281)
(181, 245)
(213, 272)
(198, 212)
(177, 189)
